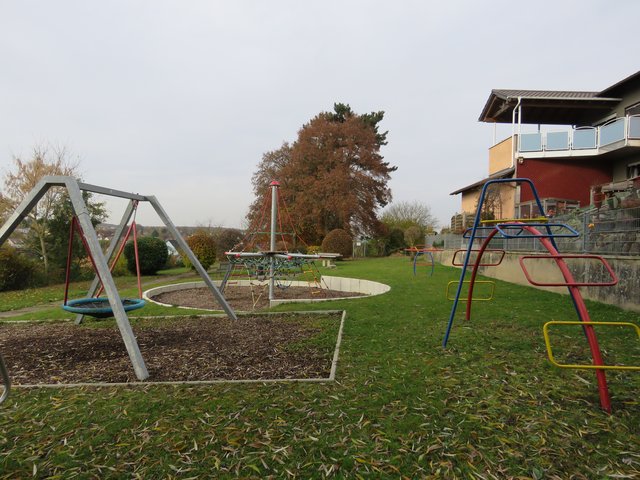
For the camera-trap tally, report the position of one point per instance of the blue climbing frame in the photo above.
(477, 227)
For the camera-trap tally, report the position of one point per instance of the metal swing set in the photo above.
(113, 304)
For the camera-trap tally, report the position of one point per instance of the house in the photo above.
(585, 146)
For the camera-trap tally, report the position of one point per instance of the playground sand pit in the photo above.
(256, 347)
(245, 298)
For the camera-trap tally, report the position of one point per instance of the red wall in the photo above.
(569, 179)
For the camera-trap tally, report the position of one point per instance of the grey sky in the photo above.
(180, 99)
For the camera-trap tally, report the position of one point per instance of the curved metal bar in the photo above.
(6, 381)
(578, 301)
(415, 261)
(474, 271)
(476, 227)
(605, 400)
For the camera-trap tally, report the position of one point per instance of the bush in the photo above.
(338, 241)
(314, 249)
(203, 245)
(395, 241)
(120, 269)
(153, 255)
(16, 271)
(226, 240)
(413, 235)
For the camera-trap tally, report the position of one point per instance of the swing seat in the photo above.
(100, 307)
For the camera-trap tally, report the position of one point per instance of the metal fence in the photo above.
(602, 231)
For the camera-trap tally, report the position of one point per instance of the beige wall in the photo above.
(507, 197)
(469, 200)
(501, 155)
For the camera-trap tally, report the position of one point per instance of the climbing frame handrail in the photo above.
(528, 233)
(610, 283)
(547, 341)
(511, 220)
(475, 250)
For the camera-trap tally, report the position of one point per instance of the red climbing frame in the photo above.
(574, 291)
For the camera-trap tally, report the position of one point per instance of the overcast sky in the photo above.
(180, 98)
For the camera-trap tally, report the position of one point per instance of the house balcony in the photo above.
(616, 134)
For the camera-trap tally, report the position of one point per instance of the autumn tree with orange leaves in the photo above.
(332, 176)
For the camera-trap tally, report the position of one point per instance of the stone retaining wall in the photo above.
(626, 294)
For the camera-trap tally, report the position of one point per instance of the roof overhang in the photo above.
(505, 173)
(544, 107)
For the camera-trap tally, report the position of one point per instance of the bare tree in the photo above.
(403, 215)
(17, 184)
(492, 206)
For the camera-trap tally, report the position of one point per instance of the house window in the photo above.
(633, 170)
(632, 109)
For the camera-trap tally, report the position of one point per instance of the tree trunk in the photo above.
(45, 255)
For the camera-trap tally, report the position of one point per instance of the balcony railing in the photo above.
(582, 138)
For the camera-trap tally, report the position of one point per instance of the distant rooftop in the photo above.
(504, 173)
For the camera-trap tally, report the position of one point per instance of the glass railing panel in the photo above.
(584, 137)
(530, 142)
(634, 126)
(557, 141)
(612, 132)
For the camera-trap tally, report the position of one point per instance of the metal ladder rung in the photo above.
(488, 250)
(613, 281)
(479, 299)
(524, 233)
(547, 341)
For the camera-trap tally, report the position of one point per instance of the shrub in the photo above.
(153, 255)
(203, 245)
(413, 235)
(338, 241)
(16, 271)
(395, 241)
(314, 249)
(226, 240)
(120, 268)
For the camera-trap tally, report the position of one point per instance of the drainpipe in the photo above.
(517, 108)
(515, 149)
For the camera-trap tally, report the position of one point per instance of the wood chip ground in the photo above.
(188, 348)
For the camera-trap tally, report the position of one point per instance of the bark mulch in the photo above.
(179, 349)
(244, 298)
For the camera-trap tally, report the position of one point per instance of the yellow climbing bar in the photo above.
(512, 220)
(463, 297)
(545, 331)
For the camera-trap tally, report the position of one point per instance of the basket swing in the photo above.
(99, 307)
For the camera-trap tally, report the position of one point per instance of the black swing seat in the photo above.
(100, 307)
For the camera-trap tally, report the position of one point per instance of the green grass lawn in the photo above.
(489, 406)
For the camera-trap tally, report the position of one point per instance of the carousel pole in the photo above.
(272, 246)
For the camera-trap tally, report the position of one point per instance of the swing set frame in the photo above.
(90, 238)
